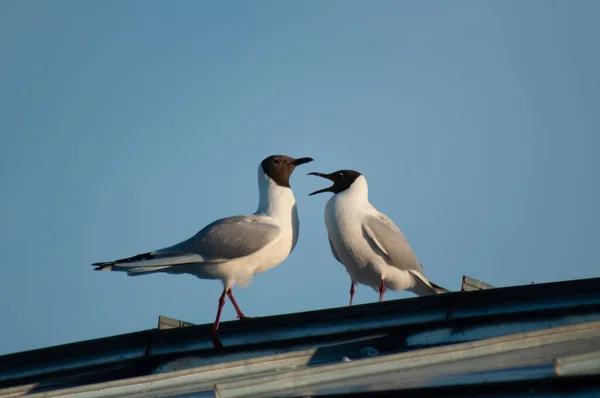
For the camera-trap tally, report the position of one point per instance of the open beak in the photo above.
(328, 176)
(298, 162)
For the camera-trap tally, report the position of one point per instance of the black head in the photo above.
(342, 180)
(280, 167)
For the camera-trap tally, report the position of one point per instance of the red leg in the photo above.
(240, 314)
(215, 335)
(381, 291)
(351, 292)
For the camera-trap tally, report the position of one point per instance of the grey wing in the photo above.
(333, 249)
(228, 238)
(223, 240)
(386, 239)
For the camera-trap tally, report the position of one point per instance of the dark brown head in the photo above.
(280, 167)
(342, 180)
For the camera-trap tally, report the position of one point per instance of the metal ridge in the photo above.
(314, 327)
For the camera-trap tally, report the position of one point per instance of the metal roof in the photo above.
(537, 337)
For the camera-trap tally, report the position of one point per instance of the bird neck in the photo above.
(358, 191)
(274, 200)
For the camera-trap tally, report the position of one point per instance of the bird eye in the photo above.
(277, 160)
(341, 174)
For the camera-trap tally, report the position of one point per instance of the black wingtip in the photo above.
(439, 289)
(102, 266)
(108, 265)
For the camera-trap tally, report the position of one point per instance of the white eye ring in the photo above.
(341, 174)
(277, 160)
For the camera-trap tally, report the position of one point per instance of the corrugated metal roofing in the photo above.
(521, 337)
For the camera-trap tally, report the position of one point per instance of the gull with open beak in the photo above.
(369, 244)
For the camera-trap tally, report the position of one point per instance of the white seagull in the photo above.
(369, 244)
(232, 249)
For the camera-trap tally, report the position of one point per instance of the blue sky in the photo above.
(127, 126)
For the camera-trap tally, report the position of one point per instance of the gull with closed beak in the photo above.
(369, 244)
(236, 248)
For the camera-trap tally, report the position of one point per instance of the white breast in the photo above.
(278, 205)
(343, 218)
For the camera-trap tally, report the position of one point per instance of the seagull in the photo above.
(369, 244)
(232, 249)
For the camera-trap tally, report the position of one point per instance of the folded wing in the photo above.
(389, 242)
(224, 240)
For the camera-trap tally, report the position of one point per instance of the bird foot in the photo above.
(216, 342)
